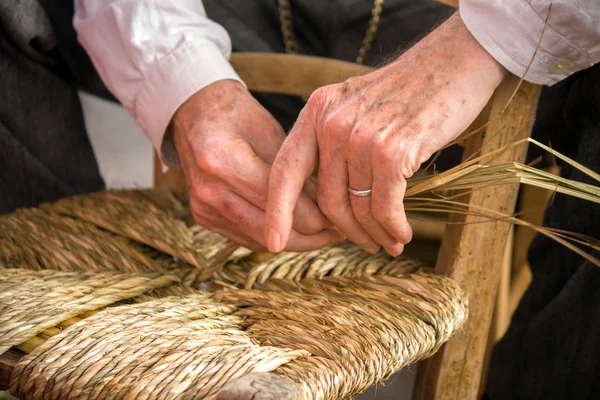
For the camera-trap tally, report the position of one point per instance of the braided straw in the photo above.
(46, 238)
(176, 289)
(170, 348)
(344, 259)
(36, 239)
(131, 214)
(359, 331)
(32, 301)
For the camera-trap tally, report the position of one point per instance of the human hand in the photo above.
(226, 143)
(374, 131)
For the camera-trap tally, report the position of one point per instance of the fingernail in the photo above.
(274, 241)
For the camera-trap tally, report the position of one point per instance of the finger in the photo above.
(360, 178)
(248, 176)
(310, 189)
(251, 220)
(293, 165)
(204, 214)
(333, 198)
(239, 239)
(388, 205)
(300, 242)
(211, 219)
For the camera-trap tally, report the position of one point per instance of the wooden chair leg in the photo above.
(472, 252)
(502, 310)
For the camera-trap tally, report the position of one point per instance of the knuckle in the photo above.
(208, 161)
(317, 100)
(351, 86)
(323, 94)
(206, 197)
(419, 158)
(360, 136)
(350, 83)
(386, 151)
(228, 207)
(333, 126)
(318, 96)
(200, 193)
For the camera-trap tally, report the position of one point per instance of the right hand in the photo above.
(226, 143)
(374, 131)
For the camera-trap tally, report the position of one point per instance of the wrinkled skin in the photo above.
(375, 131)
(226, 143)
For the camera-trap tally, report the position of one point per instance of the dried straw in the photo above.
(359, 331)
(344, 259)
(131, 214)
(70, 235)
(36, 239)
(356, 331)
(32, 301)
(473, 175)
(170, 348)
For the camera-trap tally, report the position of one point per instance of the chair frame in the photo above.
(471, 253)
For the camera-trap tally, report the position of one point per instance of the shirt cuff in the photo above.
(175, 79)
(510, 31)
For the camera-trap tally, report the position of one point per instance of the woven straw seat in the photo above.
(109, 301)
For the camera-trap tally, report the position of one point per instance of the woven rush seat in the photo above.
(109, 302)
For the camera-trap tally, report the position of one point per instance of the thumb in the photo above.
(294, 163)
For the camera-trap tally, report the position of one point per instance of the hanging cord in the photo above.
(291, 44)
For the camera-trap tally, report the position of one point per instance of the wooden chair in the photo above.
(470, 253)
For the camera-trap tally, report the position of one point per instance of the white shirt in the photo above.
(154, 54)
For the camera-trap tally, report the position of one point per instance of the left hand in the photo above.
(226, 143)
(374, 131)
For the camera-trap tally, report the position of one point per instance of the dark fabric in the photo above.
(333, 28)
(46, 153)
(552, 348)
(75, 65)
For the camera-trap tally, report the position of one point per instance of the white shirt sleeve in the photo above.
(153, 55)
(511, 29)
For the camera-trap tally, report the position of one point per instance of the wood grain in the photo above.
(261, 386)
(8, 361)
(472, 253)
(451, 3)
(290, 73)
